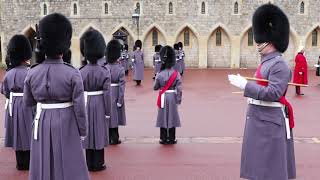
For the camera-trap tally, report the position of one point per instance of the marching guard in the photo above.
(138, 63)
(268, 149)
(118, 83)
(60, 122)
(156, 60)
(124, 60)
(177, 65)
(18, 116)
(168, 82)
(182, 57)
(96, 82)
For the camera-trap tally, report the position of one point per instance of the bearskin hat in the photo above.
(270, 24)
(18, 50)
(138, 43)
(113, 51)
(168, 57)
(157, 48)
(180, 45)
(176, 47)
(56, 33)
(67, 56)
(92, 45)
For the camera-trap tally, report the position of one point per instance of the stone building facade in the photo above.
(215, 33)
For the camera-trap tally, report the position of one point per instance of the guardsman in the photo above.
(56, 88)
(300, 75)
(177, 66)
(96, 81)
(124, 60)
(182, 57)
(118, 84)
(267, 149)
(168, 82)
(156, 60)
(18, 117)
(138, 63)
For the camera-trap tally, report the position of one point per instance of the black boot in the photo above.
(20, 160)
(114, 136)
(138, 82)
(172, 136)
(163, 136)
(26, 159)
(89, 159)
(97, 160)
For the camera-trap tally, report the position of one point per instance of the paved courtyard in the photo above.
(210, 138)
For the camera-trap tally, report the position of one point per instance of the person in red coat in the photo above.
(301, 70)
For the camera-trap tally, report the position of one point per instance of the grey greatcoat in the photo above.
(182, 56)
(266, 152)
(118, 114)
(138, 65)
(18, 127)
(168, 117)
(124, 60)
(97, 78)
(156, 63)
(57, 153)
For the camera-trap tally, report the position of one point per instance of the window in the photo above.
(75, 9)
(302, 8)
(154, 37)
(218, 37)
(137, 8)
(186, 37)
(106, 8)
(250, 37)
(45, 9)
(236, 8)
(170, 8)
(203, 8)
(315, 38)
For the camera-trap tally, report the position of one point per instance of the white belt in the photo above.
(40, 107)
(157, 60)
(12, 94)
(273, 104)
(91, 93)
(163, 96)
(114, 85)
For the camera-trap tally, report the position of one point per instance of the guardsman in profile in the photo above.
(138, 63)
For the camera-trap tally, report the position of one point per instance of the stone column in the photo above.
(76, 55)
(235, 51)
(203, 52)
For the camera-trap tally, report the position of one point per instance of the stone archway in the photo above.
(312, 51)
(249, 57)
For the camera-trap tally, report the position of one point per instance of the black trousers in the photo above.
(298, 90)
(114, 134)
(95, 158)
(138, 82)
(168, 134)
(23, 160)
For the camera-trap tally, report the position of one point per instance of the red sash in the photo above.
(166, 87)
(282, 99)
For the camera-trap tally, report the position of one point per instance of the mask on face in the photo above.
(260, 47)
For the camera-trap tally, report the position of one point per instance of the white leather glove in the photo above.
(108, 117)
(132, 60)
(238, 81)
(300, 73)
(82, 138)
(119, 105)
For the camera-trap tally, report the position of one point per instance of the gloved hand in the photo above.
(108, 117)
(238, 81)
(132, 60)
(119, 105)
(300, 73)
(82, 138)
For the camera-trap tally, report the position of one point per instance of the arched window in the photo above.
(75, 9)
(106, 8)
(315, 38)
(203, 8)
(170, 8)
(154, 37)
(218, 37)
(236, 8)
(250, 37)
(45, 9)
(138, 8)
(302, 8)
(186, 37)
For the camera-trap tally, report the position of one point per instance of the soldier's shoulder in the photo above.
(34, 65)
(81, 67)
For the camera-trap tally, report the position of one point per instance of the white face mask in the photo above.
(261, 47)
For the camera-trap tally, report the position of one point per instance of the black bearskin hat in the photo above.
(168, 57)
(270, 24)
(67, 56)
(180, 45)
(56, 33)
(138, 43)
(113, 51)
(92, 45)
(18, 50)
(157, 48)
(126, 47)
(176, 47)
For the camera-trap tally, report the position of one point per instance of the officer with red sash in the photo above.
(168, 81)
(268, 149)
